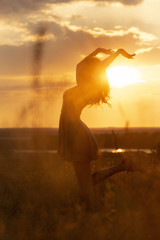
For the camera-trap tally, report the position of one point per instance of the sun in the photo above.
(121, 76)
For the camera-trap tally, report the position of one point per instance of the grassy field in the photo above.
(39, 200)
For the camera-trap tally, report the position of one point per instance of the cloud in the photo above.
(18, 35)
(150, 57)
(23, 6)
(143, 50)
(60, 83)
(13, 34)
(17, 6)
(68, 43)
(144, 37)
(126, 2)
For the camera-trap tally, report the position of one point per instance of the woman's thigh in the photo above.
(83, 173)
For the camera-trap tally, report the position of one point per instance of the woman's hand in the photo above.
(103, 50)
(109, 51)
(99, 50)
(125, 54)
(106, 62)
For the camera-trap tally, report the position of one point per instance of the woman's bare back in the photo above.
(73, 102)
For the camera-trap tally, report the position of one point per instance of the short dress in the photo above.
(76, 142)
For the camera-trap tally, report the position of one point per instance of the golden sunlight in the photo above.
(121, 76)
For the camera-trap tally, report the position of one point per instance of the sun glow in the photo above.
(121, 76)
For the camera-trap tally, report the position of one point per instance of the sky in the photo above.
(73, 29)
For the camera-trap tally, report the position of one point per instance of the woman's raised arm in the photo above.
(100, 50)
(95, 52)
(106, 62)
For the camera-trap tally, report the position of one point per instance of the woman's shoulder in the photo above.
(73, 97)
(71, 92)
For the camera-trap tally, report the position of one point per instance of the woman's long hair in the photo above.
(92, 77)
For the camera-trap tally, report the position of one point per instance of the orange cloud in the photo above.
(66, 43)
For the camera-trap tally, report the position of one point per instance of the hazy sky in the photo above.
(73, 30)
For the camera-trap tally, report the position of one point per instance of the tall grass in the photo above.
(39, 199)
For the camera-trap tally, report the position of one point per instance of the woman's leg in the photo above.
(102, 175)
(87, 181)
(84, 177)
(125, 165)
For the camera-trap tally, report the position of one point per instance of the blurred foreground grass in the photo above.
(39, 200)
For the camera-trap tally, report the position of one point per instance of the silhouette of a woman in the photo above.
(76, 142)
